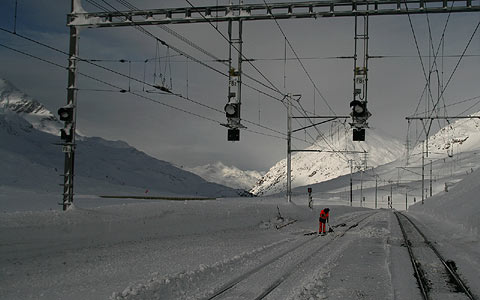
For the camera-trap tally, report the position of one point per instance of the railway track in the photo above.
(292, 258)
(436, 277)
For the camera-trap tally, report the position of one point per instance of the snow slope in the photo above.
(34, 112)
(460, 136)
(186, 250)
(230, 176)
(314, 167)
(32, 161)
(401, 178)
(458, 206)
(130, 249)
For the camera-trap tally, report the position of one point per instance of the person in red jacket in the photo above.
(323, 220)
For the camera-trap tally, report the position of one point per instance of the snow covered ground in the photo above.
(130, 249)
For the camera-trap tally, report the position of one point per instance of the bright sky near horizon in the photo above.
(396, 81)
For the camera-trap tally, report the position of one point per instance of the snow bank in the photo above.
(460, 205)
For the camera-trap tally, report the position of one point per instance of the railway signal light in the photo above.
(359, 114)
(359, 109)
(66, 113)
(232, 112)
(233, 135)
(66, 133)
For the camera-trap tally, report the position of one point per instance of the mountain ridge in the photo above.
(230, 176)
(314, 167)
(34, 159)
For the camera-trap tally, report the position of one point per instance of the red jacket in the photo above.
(323, 216)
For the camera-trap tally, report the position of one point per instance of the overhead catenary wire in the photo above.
(287, 41)
(135, 79)
(456, 66)
(435, 52)
(243, 56)
(300, 62)
(174, 33)
(432, 66)
(253, 59)
(120, 89)
(113, 71)
(140, 28)
(128, 5)
(454, 104)
(430, 70)
(236, 49)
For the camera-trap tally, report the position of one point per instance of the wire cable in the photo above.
(300, 62)
(243, 56)
(140, 28)
(128, 76)
(137, 94)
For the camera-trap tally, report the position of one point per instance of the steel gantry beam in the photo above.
(79, 18)
(286, 10)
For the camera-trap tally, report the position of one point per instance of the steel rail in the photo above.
(287, 274)
(274, 285)
(450, 270)
(418, 272)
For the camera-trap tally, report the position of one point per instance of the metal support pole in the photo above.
(351, 182)
(69, 148)
(423, 172)
(289, 148)
(406, 199)
(355, 56)
(365, 45)
(15, 18)
(431, 171)
(391, 194)
(376, 191)
(240, 54)
(230, 43)
(361, 188)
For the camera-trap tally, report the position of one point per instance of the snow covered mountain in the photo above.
(31, 160)
(230, 176)
(314, 167)
(31, 110)
(460, 136)
(453, 156)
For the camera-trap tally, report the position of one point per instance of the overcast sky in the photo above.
(396, 82)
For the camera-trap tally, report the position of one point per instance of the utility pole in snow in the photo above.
(431, 192)
(289, 148)
(68, 115)
(423, 145)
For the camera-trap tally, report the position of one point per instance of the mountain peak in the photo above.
(12, 99)
(329, 158)
(230, 176)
